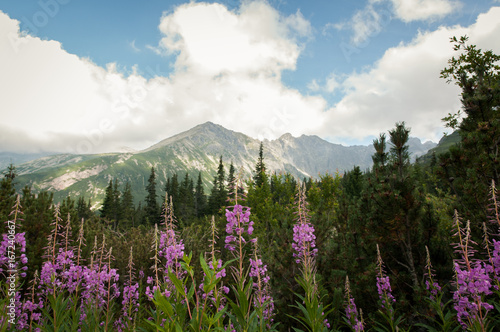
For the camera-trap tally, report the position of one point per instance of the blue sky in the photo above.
(95, 76)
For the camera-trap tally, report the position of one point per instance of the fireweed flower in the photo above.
(431, 285)
(166, 246)
(216, 295)
(262, 298)
(472, 280)
(384, 285)
(303, 233)
(472, 286)
(351, 310)
(171, 248)
(130, 302)
(238, 223)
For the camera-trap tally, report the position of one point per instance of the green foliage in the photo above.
(471, 166)
(151, 210)
(218, 195)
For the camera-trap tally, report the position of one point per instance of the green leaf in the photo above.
(177, 283)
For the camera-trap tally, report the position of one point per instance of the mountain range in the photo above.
(193, 151)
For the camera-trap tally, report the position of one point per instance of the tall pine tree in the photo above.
(472, 166)
(218, 195)
(127, 205)
(200, 200)
(151, 210)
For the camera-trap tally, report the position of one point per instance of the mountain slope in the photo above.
(193, 151)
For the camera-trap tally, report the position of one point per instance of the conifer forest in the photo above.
(399, 247)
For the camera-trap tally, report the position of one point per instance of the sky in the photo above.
(90, 76)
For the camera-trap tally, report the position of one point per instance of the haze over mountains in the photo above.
(196, 150)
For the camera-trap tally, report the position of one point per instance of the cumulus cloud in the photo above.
(422, 10)
(404, 85)
(210, 39)
(227, 70)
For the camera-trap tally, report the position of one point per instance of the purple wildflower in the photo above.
(351, 310)
(130, 302)
(472, 280)
(472, 285)
(262, 298)
(238, 223)
(303, 232)
(430, 284)
(384, 285)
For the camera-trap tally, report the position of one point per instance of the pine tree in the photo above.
(231, 182)
(116, 208)
(127, 205)
(172, 189)
(185, 205)
(108, 203)
(260, 176)
(218, 195)
(200, 198)
(399, 149)
(151, 210)
(7, 192)
(379, 158)
(471, 166)
(83, 208)
(395, 205)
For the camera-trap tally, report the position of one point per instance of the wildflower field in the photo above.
(75, 294)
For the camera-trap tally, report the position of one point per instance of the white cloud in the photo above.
(371, 19)
(133, 46)
(211, 40)
(421, 10)
(313, 86)
(332, 83)
(404, 85)
(228, 71)
(365, 23)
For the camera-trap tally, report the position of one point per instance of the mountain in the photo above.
(193, 151)
(445, 143)
(8, 158)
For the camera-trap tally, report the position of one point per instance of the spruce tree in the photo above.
(185, 206)
(200, 198)
(151, 210)
(231, 182)
(116, 208)
(218, 195)
(7, 192)
(260, 169)
(108, 203)
(127, 205)
(83, 208)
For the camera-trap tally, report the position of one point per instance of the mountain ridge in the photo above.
(195, 150)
